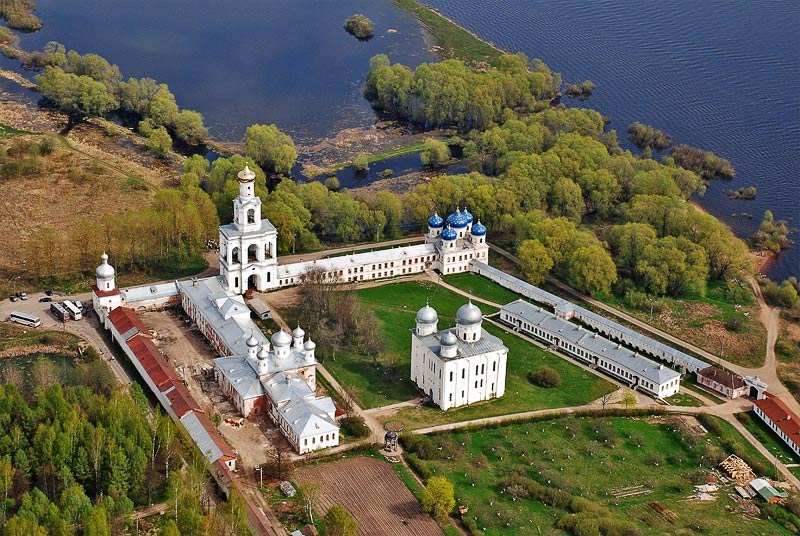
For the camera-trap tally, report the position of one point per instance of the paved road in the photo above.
(88, 329)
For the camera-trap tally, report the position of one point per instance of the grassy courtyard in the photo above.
(594, 459)
(767, 437)
(579, 387)
(482, 288)
(396, 306)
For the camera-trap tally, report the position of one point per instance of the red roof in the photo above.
(125, 319)
(723, 376)
(780, 414)
(104, 293)
(181, 401)
(153, 362)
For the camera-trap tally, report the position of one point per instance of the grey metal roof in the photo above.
(567, 308)
(487, 343)
(150, 292)
(310, 416)
(241, 376)
(229, 229)
(284, 386)
(591, 342)
(201, 437)
(359, 259)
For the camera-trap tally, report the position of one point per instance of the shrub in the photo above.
(359, 26)
(734, 324)
(354, 426)
(545, 377)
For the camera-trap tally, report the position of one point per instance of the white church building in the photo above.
(460, 366)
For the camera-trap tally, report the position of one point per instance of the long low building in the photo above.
(624, 364)
(568, 310)
(780, 419)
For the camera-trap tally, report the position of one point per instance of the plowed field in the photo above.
(372, 493)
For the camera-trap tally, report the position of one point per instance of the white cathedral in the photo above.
(460, 366)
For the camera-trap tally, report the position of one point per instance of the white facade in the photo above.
(628, 366)
(105, 294)
(248, 255)
(248, 247)
(457, 367)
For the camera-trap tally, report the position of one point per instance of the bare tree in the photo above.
(279, 459)
(310, 494)
(12, 375)
(44, 374)
(606, 398)
(315, 289)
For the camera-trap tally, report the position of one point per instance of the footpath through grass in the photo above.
(592, 458)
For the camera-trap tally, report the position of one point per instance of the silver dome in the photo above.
(105, 270)
(427, 315)
(298, 332)
(468, 314)
(263, 354)
(281, 338)
(448, 339)
(309, 345)
(252, 342)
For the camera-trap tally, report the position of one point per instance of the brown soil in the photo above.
(373, 494)
(85, 177)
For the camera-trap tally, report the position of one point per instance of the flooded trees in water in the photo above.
(360, 27)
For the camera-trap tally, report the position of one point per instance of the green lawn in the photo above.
(733, 442)
(579, 387)
(455, 41)
(588, 457)
(482, 288)
(396, 306)
(767, 437)
(682, 399)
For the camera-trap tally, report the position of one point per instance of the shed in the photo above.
(259, 308)
(765, 490)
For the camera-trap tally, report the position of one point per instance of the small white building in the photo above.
(457, 367)
(105, 294)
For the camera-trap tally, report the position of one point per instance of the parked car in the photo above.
(23, 295)
(12, 298)
(49, 292)
(78, 304)
(45, 299)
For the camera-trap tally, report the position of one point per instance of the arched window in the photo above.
(251, 215)
(252, 253)
(235, 256)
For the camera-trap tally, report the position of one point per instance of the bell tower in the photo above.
(248, 247)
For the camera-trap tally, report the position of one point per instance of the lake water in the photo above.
(718, 74)
(241, 62)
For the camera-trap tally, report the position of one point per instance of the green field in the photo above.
(589, 458)
(767, 437)
(396, 306)
(682, 399)
(482, 288)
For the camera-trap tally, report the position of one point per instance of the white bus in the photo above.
(25, 319)
(59, 312)
(74, 312)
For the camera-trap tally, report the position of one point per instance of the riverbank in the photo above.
(452, 40)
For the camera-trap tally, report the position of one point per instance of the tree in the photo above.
(339, 522)
(76, 95)
(435, 153)
(44, 374)
(646, 136)
(270, 148)
(361, 162)
(12, 375)
(310, 494)
(96, 523)
(160, 142)
(188, 126)
(628, 399)
(534, 261)
(163, 108)
(546, 377)
(566, 199)
(360, 27)
(439, 498)
(628, 242)
(590, 269)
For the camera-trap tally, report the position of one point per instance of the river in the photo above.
(718, 74)
(241, 62)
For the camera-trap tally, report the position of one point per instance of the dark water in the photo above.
(241, 62)
(718, 74)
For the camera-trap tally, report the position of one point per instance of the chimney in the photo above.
(194, 282)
